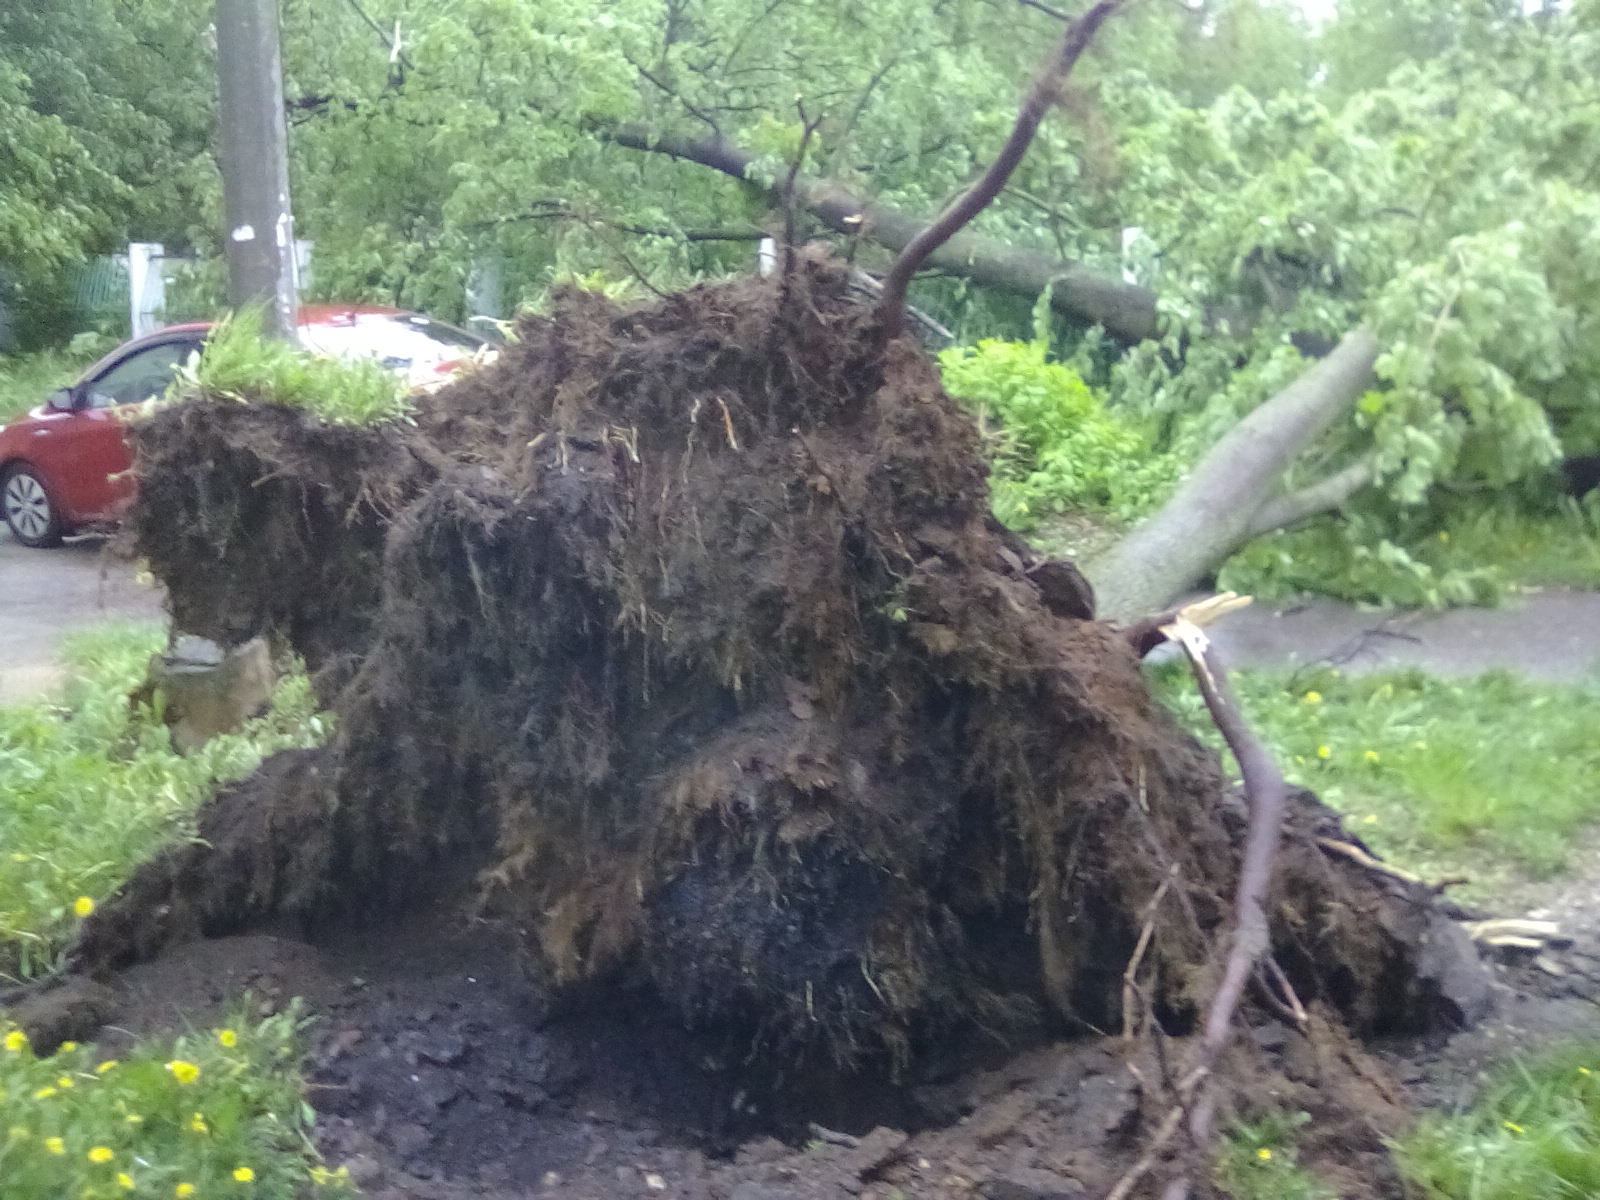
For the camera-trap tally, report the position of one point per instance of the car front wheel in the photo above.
(30, 513)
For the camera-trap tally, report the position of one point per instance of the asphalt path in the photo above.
(45, 595)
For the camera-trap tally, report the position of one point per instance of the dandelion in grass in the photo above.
(183, 1191)
(44, 1093)
(101, 1154)
(1370, 819)
(55, 1145)
(83, 906)
(1324, 752)
(1372, 756)
(66, 1047)
(109, 1065)
(125, 1181)
(197, 1123)
(1311, 698)
(1264, 1154)
(64, 1082)
(16, 1041)
(244, 1174)
(1514, 1127)
(183, 1072)
(228, 1038)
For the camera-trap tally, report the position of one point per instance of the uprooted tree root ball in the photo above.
(695, 645)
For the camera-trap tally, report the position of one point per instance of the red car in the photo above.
(64, 466)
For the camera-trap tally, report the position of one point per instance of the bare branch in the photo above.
(1043, 93)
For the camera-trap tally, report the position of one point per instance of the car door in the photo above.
(85, 451)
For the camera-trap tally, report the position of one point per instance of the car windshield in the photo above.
(404, 341)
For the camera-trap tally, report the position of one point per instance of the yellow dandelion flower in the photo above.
(1371, 756)
(228, 1038)
(66, 1047)
(1583, 1070)
(183, 1190)
(101, 1154)
(109, 1065)
(16, 1041)
(1311, 698)
(1324, 752)
(125, 1181)
(55, 1145)
(1444, 535)
(1264, 1154)
(83, 906)
(1514, 1127)
(1370, 819)
(244, 1174)
(64, 1082)
(134, 1119)
(44, 1093)
(183, 1072)
(198, 1124)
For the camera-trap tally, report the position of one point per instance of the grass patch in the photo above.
(238, 363)
(1534, 1133)
(214, 1113)
(1492, 775)
(91, 787)
(1260, 1161)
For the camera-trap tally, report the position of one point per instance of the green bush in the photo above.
(91, 788)
(1056, 447)
(219, 1113)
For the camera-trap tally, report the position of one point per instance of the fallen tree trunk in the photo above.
(1229, 497)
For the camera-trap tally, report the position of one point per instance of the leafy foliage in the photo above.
(238, 363)
(93, 787)
(1492, 774)
(1056, 446)
(219, 1112)
(1534, 1132)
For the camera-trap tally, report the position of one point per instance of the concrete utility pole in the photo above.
(255, 162)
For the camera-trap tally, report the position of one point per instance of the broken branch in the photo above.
(1267, 793)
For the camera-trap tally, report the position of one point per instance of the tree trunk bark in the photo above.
(1215, 511)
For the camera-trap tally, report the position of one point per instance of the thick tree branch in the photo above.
(1045, 91)
(1127, 312)
(1314, 499)
(1211, 514)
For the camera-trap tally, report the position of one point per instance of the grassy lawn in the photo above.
(1490, 777)
(1534, 1132)
(93, 786)
(89, 788)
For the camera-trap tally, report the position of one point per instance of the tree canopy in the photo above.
(1225, 188)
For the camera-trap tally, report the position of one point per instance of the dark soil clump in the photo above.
(685, 633)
